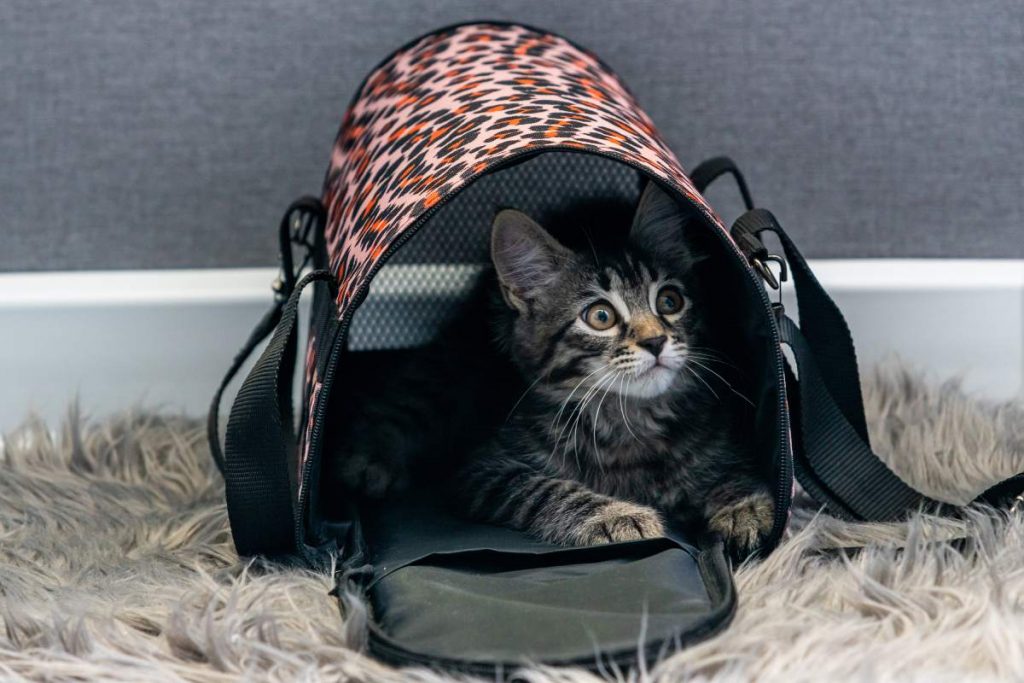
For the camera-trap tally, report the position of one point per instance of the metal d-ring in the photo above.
(1018, 504)
(761, 266)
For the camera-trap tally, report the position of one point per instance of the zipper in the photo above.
(784, 465)
(784, 483)
(337, 344)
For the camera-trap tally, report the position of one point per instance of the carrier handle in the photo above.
(832, 452)
(821, 320)
(263, 328)
(709, 170)
(260, 437)
(301, 220)
(255, 457)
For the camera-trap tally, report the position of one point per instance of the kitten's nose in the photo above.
(653, 344)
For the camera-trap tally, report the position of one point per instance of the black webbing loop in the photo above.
(264, 327)
(825, 328)
(298, 225)
(707, 171)
(821, 322)
(820, 319)
(838, 466)
(260, 440)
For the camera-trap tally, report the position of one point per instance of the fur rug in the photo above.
(116, 564)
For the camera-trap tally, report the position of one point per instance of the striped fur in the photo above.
(611, 440)
(577, 435)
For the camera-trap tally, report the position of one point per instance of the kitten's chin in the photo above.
(651, 383)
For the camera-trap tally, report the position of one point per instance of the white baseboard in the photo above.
(163, 338)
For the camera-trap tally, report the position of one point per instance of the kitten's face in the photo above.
(628, 323)
(622, 322)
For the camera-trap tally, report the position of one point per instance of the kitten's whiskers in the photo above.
(578, 413)
(622, 407)
(597, 411)
(528, 390)
(694, 373)
(568, 398)
(575, 412)
(723, 380)
(707, 353)
(587, 399)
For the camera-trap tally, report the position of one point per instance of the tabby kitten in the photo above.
(619, 430)
(597, 416)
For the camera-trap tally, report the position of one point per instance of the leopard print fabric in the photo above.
(447, 109)
(456, 104)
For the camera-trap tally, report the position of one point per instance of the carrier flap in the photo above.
(448, 592)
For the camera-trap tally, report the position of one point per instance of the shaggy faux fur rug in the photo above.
(116, 564)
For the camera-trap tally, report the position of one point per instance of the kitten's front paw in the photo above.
(373, 477)
(619, 521)
(744, 524)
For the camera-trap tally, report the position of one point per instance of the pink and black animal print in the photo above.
(450, 107)
(456, 104)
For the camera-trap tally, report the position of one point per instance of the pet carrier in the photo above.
(443, 132)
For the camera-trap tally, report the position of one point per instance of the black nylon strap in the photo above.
(259, 441)
(306, 215)
(838, 465)
(839, 468)
(300, 220)
(821, 322)
(264, 327)
(834, 461)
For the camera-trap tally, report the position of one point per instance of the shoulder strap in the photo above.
(263, 328)
(259, 439)
(300, 221)
(834, 460)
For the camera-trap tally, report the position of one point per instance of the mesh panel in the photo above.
(416, 292)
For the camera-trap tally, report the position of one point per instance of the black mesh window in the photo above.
(412, 296)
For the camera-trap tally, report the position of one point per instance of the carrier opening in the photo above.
(430, 279)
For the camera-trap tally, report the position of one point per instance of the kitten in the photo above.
(619, 431)
(603, 356)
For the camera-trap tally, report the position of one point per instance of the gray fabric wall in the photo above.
(171, 133)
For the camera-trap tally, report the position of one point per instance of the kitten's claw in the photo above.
(373, 477)
(744, 524)
(617, 522)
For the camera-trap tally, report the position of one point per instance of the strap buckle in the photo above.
(760, 263)
(302, 226)
(746, 233)
(1018, 504)
(297, 228)
(278, 287)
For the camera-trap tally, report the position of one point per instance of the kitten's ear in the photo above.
(659, 227)
(526, 257)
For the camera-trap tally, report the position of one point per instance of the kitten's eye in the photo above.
(601, 316)
(669, 301)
